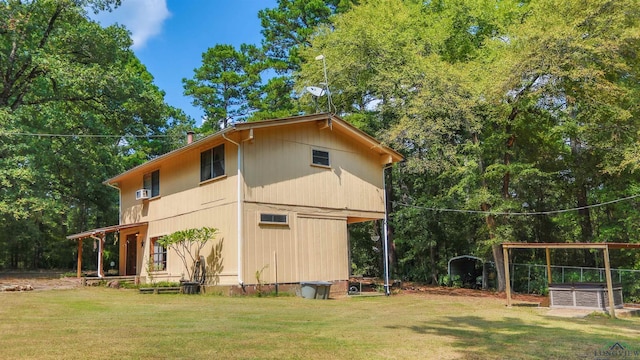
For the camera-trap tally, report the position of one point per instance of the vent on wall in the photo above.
(273, 219)
(143, 194)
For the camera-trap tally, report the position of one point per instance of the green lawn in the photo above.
(100, 323)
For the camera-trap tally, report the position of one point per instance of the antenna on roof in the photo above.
(315, 91)
(325, 83)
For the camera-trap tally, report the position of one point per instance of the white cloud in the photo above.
(144, 18)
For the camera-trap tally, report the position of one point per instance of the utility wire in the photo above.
(519, 213)
(82, 135)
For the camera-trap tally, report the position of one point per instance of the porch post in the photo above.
(79, 258)
(101, 262)
(548, 265)
(505, 252)
(607, 271)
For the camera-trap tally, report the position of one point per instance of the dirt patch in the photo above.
(441, 290)
(39, 283)
(368, 285)
(53, 281)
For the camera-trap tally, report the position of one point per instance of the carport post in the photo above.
(548, 251)
(505, 253)
(79, 258)
(607, 270)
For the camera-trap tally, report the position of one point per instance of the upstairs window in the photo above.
(158, 255)
(212, 163)
(320, 157)
(151, 182)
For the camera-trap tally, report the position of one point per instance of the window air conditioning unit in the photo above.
(143, 194)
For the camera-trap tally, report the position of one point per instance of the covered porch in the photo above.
(129, 249)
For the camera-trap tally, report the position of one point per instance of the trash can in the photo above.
(315, 289)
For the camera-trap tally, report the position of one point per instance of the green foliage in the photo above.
(64, 74)
(229, 86)
(225, 83)
(512, 107)
(366, 249)
(260, 282)
(187, 245)
(291, 26)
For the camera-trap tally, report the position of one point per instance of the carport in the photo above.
(548, 246)
(466, 265)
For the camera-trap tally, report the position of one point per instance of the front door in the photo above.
(132, 254)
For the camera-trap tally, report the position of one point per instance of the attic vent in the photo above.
(320, 157)
(273, 219)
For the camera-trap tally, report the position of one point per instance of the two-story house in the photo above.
(280, 192)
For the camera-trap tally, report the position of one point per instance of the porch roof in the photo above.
(604, 246)
(577, 245)
(105, 230)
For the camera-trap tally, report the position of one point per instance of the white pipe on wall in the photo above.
(385, 230)
(240, 203)
(99, 254)
(239, 206)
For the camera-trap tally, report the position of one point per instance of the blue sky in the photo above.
(171, 35)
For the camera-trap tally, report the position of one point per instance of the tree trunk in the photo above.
(490, 220)
(584, 213)
(496, 250)
(434, 268)
(581, 193)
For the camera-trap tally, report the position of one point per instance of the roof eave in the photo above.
(348, 128)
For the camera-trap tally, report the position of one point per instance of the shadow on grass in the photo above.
(512, 338)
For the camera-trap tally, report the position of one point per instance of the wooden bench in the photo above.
(161, 290)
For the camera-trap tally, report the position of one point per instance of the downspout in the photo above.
(240, 203)
(385, 230)
(99, 254)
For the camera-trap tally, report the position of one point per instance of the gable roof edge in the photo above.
(394, 156)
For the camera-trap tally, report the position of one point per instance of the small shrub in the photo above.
(599, 314)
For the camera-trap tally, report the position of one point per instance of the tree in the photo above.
(508, 107)
(80, 85)
(229, 86)
(187, 245)
(290, 27)
(225, 83)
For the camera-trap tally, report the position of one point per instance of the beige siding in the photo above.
(264, 244)
(322, 249)
(278, 170)
(306, 249)
(180, 189)
(223, 218)
(278, 177)
(185, 203)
